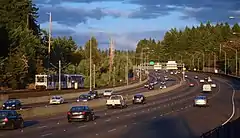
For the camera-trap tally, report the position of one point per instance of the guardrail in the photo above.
(232, 128)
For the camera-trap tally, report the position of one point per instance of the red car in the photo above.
(191, 85)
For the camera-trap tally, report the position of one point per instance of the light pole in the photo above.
(90, 62)
(236, 57)
(49, 38)
(127, 69)
(94, 76)
(140, 79)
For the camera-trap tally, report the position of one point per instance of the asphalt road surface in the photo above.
(152, 77)
(169, 115)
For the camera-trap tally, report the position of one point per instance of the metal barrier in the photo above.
(229, 130)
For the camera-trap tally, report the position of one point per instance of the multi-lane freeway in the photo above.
(169, 115)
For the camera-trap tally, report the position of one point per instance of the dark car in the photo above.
(139, 98)
(80, 113)
(84, 98)
(12, 104)
(10, 119)
(151, 87)
(93, 94)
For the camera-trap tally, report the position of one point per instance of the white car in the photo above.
(116, 101)
(201, 101)
(171, 73)
(56, 100)
(202, 81)
(209, 80)
(163, 87)
(107, 93)
(213, 85)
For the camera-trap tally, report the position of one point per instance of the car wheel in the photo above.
(21, 124)
(12, 126)
(87, 118)
(93, 117)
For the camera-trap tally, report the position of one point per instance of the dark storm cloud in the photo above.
(69, 16)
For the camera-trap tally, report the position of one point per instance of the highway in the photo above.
(140, 89)
(170, 115)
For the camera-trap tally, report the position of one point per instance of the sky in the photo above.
(128, 21)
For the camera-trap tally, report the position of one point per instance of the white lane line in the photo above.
(125, 126)
(108, 120)
(154, 117)
(112, 130)
(233, 104)
(128, 115)
(48, 134)
(134, 123)
(42, 127)
(143, 111)
(82, 126)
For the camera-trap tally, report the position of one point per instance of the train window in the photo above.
(40, 78)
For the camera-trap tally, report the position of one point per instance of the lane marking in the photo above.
(128, 115)
(108, 120)
(112, 130)
(82, 126)
(41, 127)
(48, 134)
(233, 104)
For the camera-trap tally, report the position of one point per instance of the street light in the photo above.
(236, 55)
(146, 48)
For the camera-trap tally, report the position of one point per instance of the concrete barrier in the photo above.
(49, 111)
(42, 99)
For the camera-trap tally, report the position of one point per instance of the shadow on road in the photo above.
(167, 127)
(30, 123)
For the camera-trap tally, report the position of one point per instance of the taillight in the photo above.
(5, 120)
(83, 113)
(69, 113)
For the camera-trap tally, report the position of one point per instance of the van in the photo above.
(207, 88)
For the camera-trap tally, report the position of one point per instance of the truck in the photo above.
(116, 101)
(207, 88)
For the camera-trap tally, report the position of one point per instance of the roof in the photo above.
(139, 94)
(201, 97)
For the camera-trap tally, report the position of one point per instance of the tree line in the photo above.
(24, 51)
(194, 46)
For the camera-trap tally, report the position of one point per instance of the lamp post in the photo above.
(146, 48)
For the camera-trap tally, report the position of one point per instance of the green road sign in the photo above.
(151, 62)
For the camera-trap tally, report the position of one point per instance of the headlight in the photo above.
(13, 105)
(3, 105)
(77, 100)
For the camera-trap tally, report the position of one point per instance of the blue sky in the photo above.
(128, 21)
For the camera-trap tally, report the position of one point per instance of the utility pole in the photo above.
(214, 62)
(198, 62)
(141, 66)
(127, 69)
(114, 73)
(225, 62)
(49, 39)
(209, 62)
(90, 77)
(59, 75)
(94, 76)
(183, 72)
(236, 62)
(203, 64)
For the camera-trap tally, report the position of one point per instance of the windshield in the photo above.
(116, 97)
(79, 108)
(138, 96)
(40, 78)
(83, 96)
(56, 97)
(201, 98)
(3, 113)
(108, 91)
(10, 102)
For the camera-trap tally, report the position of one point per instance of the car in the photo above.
(191, 85)
(213, 85)
(171, 73)
(146, 85)
(12, 104)
(10, 119)
(139, 98)
(202, 81)
(56, 100)
(80, 113)
(166, 79)
(155, 82)
(209, 79)
(151, 87)
(163, 87)
(163, 82)
(116, 101)
(108, 93)
(93, 94)
(84, 98)
(196, 77)
(201, 101)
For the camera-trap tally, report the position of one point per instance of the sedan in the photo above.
(138, 98)
(80, 113)
(10, 119)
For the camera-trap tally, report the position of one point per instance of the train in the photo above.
(51, 81)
